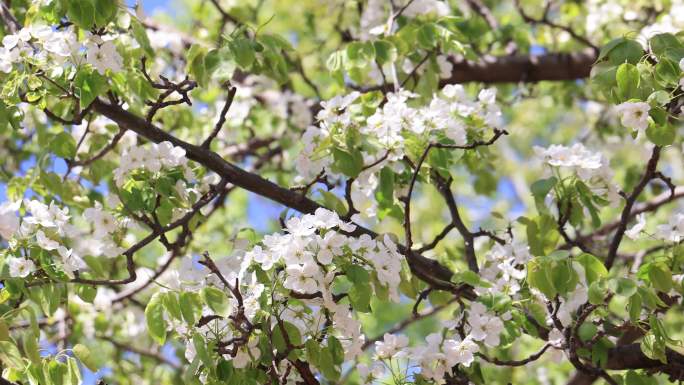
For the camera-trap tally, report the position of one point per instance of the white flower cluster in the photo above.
(451, 114)
(442, 350)
(505, 267)
(46, 227)
(152, 158)
(590, 167)
(305, 259)
(435, 358)
(48, 48)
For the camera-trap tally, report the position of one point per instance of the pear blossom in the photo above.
(390, 345)
(673, 231)
(460, 352)
(633, 232)
(302, 278)
(103, 56)
(71, 262)
(104, 223)
(485, 326)
(634, 115)
(9, 222)
(20, 267)
(45, 242)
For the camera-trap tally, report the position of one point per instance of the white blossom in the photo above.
(20, 267)
(9, 222)
(634, 231)
(634, 115)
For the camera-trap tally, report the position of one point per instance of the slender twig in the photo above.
(629, 203)
(222, 118)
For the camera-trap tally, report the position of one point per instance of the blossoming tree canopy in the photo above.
(341, 192)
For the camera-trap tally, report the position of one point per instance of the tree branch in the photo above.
(631, 199)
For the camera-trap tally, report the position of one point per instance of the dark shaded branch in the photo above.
(523, 362)
(481, 9)
(630, 200)
(222, 118)
(546, 21)
(515, 68)
(444, 188)
(147, 353)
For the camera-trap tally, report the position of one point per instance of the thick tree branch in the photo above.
(515, 68)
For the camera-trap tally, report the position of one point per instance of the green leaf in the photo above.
(622, 50)
(596, 293)
(634, 378)
(313, 351)
(540, 190)
(326, 363)
(593, 267)
(90, 85)
(197, 65)
(81, 13)
(63, 145)
(562, 276)
(427, 36)
(667, 73)
(105, 11)
(468, 276)
(541, 234)
(74, 372)
(634, 307)
(83, 354)
(661, 277)
(360, 295)
(537, 277)
(627, 77)
(357, 274)
(154, 317)
(336, 350)
(140, 35)
(4, 331)
(58, 373)
(666, 45)
(350, 164)
(86, 293)
(216, 300)
(586, 331)
(659, 98)
(360, 54)
(336, 61)
(191, 306)
(30, 344)
(661, 135)
(385, 192)
(172, 305)
(653, 348)
(202, 351)
(243, 52)
(625, 287)
(10, 356)
(385, 52)
(293, 335)
(585, 196)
